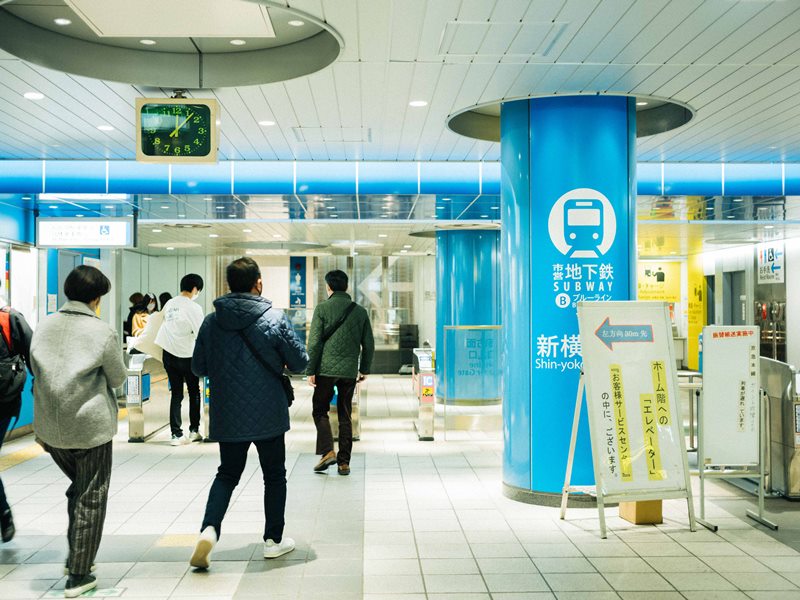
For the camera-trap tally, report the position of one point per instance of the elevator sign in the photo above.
(770, 262)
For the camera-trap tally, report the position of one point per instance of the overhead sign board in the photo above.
(84, 233)
(770, 262)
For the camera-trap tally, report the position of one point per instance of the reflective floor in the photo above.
(414, 521)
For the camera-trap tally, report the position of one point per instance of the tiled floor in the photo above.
(414, 521)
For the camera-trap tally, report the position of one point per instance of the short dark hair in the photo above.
(85, 284)
(163, 298)
(337, 280)
(242, 275)
(191, 281)
(136, 298)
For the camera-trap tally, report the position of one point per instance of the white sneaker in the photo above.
(202, 549)
(179, 441)
(273, 550)
(194, 436)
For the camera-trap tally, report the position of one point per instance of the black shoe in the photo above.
(7, 529)
(78, 584)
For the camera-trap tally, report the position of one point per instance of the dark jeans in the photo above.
(232, 458)
(179, 371)
(4, 423)
(89, 473)
(323, 394)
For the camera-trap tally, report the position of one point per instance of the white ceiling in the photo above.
(734, 62)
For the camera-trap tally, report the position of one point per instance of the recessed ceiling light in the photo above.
(109, 206)
(484, 216)
(382, 235)
(403, 251)
(769, 226)
(266, 123)
(78, 215)
(213, 235)
(26, 197)
(277, 235)
(331, 207)
(406, 245)
(247, 231)
(231, 216)
(355, 253)
(164, 206)
(445, 199)
(148, 42)
(334, 216)
(61, 21)
(156, 231)
(218, 121)
(220, 208)
(33, 95)
(737, 199)
(147, 198)
(170, 248)
(105, 128)
(384, 216)
(440, 208)
(296, 23)
(731, 216)
(418, 103)
(238, 42)
(641, 103)
(53, 206)
(495, 208)
(248, 252)
(181, 216)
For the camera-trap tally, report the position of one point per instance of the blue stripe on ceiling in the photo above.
(403, 178)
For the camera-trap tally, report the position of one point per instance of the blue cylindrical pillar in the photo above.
(467, 286)
(568, 202)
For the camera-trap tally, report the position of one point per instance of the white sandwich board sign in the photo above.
(730, 396)
(636, 429)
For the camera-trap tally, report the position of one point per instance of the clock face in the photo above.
(176, 130)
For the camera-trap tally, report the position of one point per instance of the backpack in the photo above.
(12, 366)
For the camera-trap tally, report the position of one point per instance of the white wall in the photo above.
(275, 277)
(425, 298)
(792, 278)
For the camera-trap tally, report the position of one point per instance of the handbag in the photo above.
(13, 373)
(286, 383)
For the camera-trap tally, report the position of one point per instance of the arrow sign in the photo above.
(775, 267)
(614, 334)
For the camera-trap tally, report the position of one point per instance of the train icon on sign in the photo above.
(582, 224)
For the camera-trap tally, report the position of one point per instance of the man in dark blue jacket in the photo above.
(242, 348)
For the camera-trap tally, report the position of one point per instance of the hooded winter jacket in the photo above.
(247, 403)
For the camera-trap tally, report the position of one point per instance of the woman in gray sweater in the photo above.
(77, 361)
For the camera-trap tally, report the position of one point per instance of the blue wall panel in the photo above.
(792, 174)
(257, 177)
(326, 178)
(201, 179)
(21, 176)
(648, 179)
(449, 178)
(75, 176)
(753, 180)
(491, 178)
(16, 223)
(126, 177)
(696, 179)
(387, 178)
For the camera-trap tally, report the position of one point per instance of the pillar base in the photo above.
(548, 499)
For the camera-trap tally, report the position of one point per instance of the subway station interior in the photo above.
(572, 226)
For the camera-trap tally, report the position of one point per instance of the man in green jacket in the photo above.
(340, 332)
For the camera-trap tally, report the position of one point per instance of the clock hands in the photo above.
(178, 127)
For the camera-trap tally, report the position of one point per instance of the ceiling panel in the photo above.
(735, 63)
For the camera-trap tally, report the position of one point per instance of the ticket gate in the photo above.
(779, 381)
(146, 415)
(423, 380)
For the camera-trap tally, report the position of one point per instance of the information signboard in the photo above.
(84, 233)
(770, 262)
(632, 399)
(729, 419)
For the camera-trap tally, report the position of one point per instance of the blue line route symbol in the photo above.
(614, 334)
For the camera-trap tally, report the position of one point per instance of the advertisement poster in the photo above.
(659, 281)
(297, 295)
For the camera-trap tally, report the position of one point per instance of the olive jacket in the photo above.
(340, 356)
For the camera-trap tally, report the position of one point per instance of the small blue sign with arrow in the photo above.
(614, 334)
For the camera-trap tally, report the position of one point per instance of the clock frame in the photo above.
(170, 130)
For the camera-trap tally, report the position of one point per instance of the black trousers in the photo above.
(323, 394)
(4, 423)
(179, 371)
(89, 471)
(232, 459)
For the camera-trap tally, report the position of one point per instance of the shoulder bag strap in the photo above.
(257, 356)
(327, 335)
(5, 325)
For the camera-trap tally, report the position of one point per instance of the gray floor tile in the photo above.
(506, 565)
(451, 584)
(564, 565)
(782, 563)
(576, 582)
(735, 564)
(678, 564)
(621, 565)
(637, 582)
(515, 582)
(698, 582)
(395, 584)
(552, 550)
(449, 566)
(759, 581)
(402, 566)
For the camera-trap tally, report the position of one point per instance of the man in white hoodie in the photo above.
(182, 320)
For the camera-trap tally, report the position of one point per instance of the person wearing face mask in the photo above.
(177, 335)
